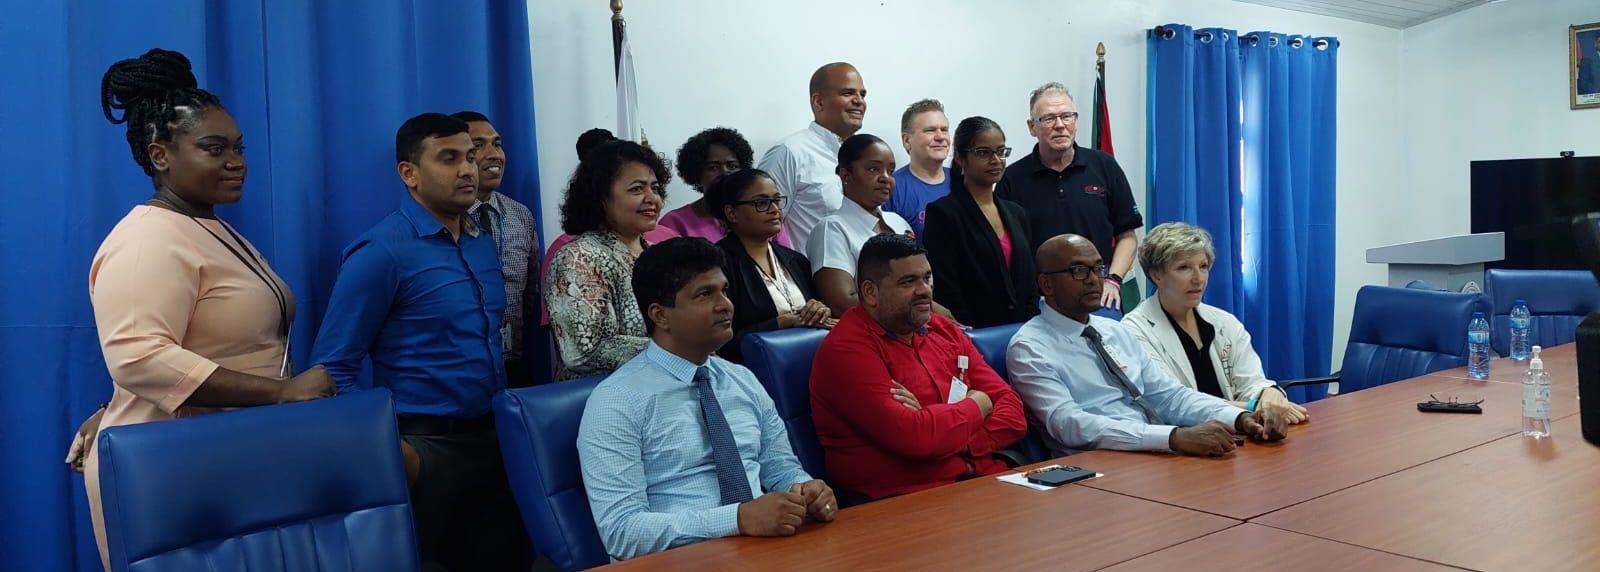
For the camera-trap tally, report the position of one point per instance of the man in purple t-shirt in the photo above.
(925, 133)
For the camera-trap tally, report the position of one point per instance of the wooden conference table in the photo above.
(1370, 483)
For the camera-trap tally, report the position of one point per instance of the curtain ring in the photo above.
(1205, 37)
(1272, 41)
(1252, 38)
(1167, 33)
(1296, 42)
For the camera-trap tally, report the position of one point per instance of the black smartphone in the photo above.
(1060, 476)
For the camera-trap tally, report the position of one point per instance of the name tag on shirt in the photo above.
(958, 390)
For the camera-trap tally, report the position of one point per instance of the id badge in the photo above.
(958, 390)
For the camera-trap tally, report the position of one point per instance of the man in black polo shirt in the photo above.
(1067, 189)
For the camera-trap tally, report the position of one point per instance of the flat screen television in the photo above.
(1533, 202)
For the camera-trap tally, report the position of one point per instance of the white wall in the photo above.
(1486, 83)
(745, 65)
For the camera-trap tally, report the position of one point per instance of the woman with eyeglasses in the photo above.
(769, 284)
(1201, 345)
(978, 243)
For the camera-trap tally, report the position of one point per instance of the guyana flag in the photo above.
(1101, 140)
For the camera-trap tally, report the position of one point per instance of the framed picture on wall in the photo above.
(1583, 42)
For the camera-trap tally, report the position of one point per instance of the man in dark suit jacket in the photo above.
(1589, 68)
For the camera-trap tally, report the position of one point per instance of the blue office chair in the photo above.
(781, 360)
(1558, 300)
(318, 485)
(538, 430)
(1400, 333)
(991, 343)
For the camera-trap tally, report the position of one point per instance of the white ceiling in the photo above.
(1391, 13)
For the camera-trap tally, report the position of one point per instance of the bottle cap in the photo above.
(1477, 315)
(1520, 302)
(1534, 361)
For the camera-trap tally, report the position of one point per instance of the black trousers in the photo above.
(465, 516)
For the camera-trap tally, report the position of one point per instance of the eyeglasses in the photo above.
(1063, 118)
(765, 204)
(1079, 271)
(985, 153)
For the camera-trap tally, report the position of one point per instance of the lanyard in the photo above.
(257, 267)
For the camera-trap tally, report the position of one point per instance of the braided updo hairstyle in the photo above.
(158, 95)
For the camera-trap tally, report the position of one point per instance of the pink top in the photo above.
(686, 222)
(172, 305)
(659, 234)
(1005, 249)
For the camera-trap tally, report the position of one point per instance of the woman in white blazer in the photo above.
(1201, 345)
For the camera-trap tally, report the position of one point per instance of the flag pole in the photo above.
(1099, 51)
(617, 26)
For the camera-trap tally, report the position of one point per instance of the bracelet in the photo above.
(1114, 279)
(1253, 402)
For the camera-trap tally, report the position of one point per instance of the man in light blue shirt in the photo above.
(677, 444)
(1091, 385)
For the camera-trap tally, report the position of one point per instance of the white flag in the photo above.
(627, 95)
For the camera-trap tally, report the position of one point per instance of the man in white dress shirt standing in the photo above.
(1090, 384)
(803, 163)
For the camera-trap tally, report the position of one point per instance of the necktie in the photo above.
(486, 222)
(1093, 336)
(724, 450)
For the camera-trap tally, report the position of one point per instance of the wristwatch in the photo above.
(1112, 276)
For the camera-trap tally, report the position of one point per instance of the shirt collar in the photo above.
(423, 222)
(878, 329)
(1079, 159)
(493, 204)
(1058, 321)
(677, 367)
(858, 216)
(830, 137)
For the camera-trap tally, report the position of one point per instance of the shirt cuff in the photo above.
(1157, 438)
(186, 387)
(724, 521)
(1230, 416)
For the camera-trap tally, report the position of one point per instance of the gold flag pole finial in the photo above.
(1100, 53)
(616, 9)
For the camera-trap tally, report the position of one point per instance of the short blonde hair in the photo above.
(1040, 91)
(1169, 241)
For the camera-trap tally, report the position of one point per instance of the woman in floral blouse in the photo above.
(614, 197)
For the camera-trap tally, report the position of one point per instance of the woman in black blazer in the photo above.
(769, 284)
(978, 243)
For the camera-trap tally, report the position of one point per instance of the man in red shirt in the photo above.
(895, 410)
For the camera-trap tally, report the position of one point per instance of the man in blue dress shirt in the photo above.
(421, 295)
(677, 445)
(1091, 385)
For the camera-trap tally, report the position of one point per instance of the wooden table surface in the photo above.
(1349, 440)
(1513, 504)
(981, 524)
(1255, 547)
(1370, 483)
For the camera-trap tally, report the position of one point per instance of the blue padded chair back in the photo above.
(991, 343)
(1400, 333)
(538, 429)
(1558, 300)
(781, 360)
(317, 485)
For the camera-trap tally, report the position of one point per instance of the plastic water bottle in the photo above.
(1521, 330)
(1478, 347)
(1536, 399)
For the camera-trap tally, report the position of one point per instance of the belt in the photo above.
(413, 424)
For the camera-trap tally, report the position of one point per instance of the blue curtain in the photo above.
(1289, 118)
(318, 89)
(1241, 142)
(1194, 134)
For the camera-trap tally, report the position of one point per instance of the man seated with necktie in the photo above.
(1091, 385)
(901, 399)
(677, 443)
